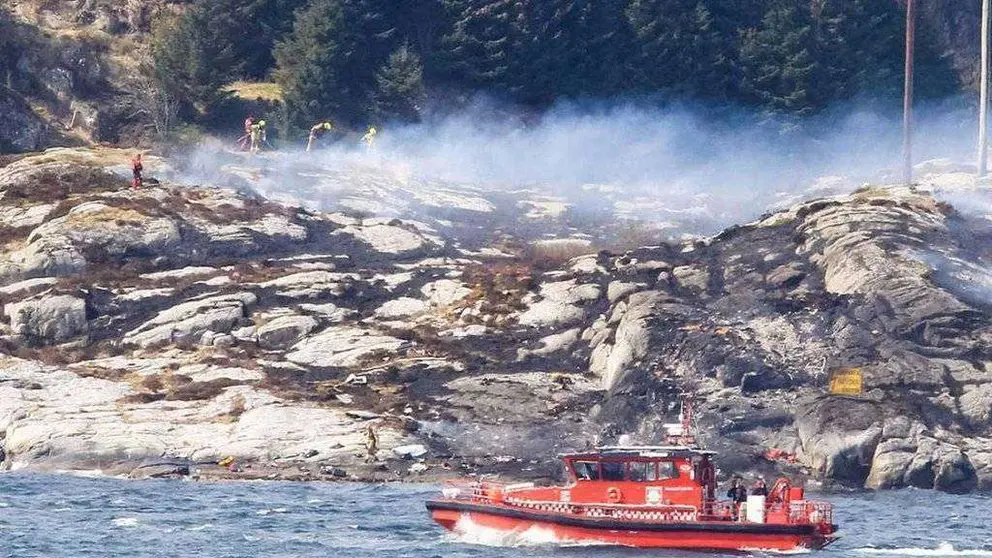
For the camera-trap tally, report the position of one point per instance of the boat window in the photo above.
(613, 470)
(587, 470)
(667, 470)
(652, 473)
(637, 471)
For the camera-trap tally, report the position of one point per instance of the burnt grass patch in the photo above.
(65, 355)
(198, 391)
(8, 159)
(9, 235)
(57, 186)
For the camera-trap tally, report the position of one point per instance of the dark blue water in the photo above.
(48, 516)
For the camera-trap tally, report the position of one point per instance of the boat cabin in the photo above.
(651, 475)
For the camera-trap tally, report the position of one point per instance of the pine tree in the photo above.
(420, 24)
(186, 63)
(482, 48)
(863, 47)
(681, 49)
(400, 86)
(549, 67)
(305, 66)
(327, 65)
(781, 63)
(247, 31)
(573, 48)
(714, 68)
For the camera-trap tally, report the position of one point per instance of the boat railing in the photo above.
(720, 509)
(811, 512)
(480, 490)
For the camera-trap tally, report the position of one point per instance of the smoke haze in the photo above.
(679, 165)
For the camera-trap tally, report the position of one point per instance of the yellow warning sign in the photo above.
(847, 381)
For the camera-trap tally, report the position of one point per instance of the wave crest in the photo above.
(943, 549)
(469, 532)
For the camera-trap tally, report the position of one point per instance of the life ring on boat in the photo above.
(614, 495)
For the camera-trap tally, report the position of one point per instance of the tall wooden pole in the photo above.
(907, 100)
(983, 103)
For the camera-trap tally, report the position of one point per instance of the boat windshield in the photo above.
(613, 470)
(649, 471)
(667, 470)
(636, 471)
(587, 470)
(639, 471)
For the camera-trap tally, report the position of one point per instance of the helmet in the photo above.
(328, 125)
(261, 123)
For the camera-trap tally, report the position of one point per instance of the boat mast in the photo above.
(685, 418)
(686, 414)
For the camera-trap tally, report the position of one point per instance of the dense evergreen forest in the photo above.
(360, 61)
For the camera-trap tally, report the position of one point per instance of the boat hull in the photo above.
(691, 535)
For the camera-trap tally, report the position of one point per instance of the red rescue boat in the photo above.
(645, 497)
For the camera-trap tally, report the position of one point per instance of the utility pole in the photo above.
(983, 103)
(907, 100)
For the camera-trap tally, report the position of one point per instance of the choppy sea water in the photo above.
(56, 516)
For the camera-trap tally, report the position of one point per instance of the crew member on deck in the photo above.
(759, 488)
(738, 494)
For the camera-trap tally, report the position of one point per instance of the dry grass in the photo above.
(64, 356)
(257, 272)
(7, 159)
(185, 201)
(95, 37)
(636, 235)
(199, 391)
(173, 387)
(552, 254)
(498, 287)
(13, 238)
(121, 217)
(244, 356)
(57, 187)
(256, 91)
(107, 273)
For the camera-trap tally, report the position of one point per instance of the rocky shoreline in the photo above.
(187, 323)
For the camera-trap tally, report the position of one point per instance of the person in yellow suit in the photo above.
(316, 132)
(256, 138)
(371, 445)
(369, 138)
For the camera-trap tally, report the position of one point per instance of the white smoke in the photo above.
(676, 164)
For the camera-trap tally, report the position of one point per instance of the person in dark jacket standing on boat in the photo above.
(760, 488)
(737, 492)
